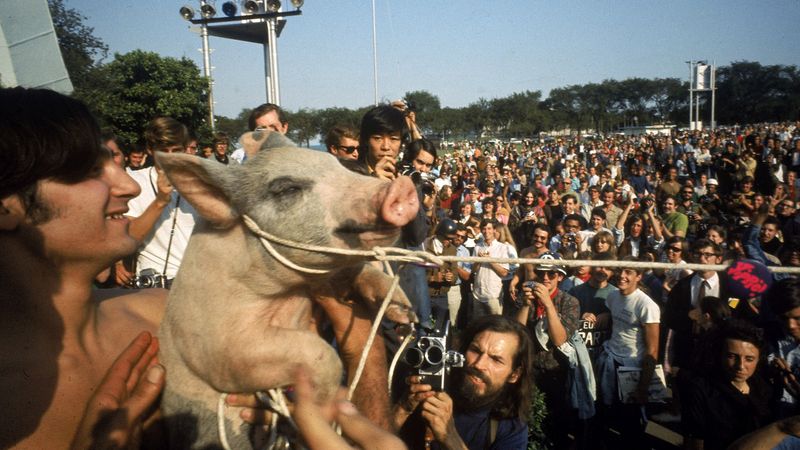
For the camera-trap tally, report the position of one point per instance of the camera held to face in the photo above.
(431, 360)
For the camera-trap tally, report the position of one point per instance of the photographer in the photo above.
(551, 316)
(160, 221)
(485, 403)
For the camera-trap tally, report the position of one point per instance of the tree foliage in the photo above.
(139, 86)
(81, 50)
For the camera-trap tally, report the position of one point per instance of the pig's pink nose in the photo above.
(401, 203)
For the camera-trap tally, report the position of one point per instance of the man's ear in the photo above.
(514, 377)
(12, 213)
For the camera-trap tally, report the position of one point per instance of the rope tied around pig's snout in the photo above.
(377, 253)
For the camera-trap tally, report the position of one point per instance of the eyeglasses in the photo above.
(706, 254)
(674, 249)
(349, 149)
(549, 274)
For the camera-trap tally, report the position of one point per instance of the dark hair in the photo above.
(416, 146)
(336, 134)
(220, 137)
(262, 110)
(485, 222)
(783, 296)
(382, 119)
(577, 217)
(721, 231)
(44, 134)
(163, 132)
(703, 243)
(739, 330)
(716, 308)
(515, 398)
(540, 226)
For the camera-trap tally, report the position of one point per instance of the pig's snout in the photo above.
(401, 203)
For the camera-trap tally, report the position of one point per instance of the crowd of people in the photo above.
(595, 341)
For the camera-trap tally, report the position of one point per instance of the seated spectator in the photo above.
(731, 400)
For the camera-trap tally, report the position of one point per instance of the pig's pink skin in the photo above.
(236, 319)
(401, 202)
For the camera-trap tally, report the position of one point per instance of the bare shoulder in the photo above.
(140, 308)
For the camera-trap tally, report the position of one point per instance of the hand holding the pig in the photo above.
(313, 421)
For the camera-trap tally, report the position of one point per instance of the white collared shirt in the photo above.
(712, 290)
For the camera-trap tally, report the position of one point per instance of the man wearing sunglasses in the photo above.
(342, 142)
(551, 316)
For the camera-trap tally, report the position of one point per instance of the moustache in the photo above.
(477, 374)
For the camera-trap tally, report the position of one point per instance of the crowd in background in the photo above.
(708, 197)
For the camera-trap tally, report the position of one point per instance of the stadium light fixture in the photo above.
(187, 12)
(229, 8)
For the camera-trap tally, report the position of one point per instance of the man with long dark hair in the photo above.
(486, 402)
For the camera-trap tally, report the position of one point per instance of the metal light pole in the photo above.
(207, 74)
(375, 53)
(257, 23)
(691, 93)
(271, 60)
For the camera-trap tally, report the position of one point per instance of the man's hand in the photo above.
(313, 421)
(114, 415)
(790, 382)
(163, 187)
(123, 275)
(437, 410)
(417, 393)
(385, 169)
(589, 317)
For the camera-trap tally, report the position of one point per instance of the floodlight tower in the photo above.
(258, 21)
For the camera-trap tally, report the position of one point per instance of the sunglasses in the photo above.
(549, 274)
(674, 249)
(349, 149)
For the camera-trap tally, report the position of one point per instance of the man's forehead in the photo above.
(497, 343)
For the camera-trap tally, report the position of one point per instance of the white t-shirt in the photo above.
(488, 284)
(628, 315)
(154, 253)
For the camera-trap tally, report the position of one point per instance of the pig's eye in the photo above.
(287, 187)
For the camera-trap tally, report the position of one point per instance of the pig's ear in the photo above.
(204, 184)
(255, 141)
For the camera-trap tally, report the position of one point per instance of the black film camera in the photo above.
(431, 360)
(149, 278)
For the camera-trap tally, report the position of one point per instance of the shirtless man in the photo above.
(62, 205)
(78, 367)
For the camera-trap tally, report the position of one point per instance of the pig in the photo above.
(237, 319)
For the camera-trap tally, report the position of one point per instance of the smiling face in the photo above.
(628, 281)
(86, 220)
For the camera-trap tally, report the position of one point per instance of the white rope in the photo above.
(223, 434)
(372, 332)
(402, 255)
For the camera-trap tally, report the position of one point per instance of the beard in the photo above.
(466, 394)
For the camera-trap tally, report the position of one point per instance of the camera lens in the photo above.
(414, 357)
(434, 355)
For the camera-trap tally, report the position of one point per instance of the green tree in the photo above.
(139, 86)
(81, 50)
(303, 126)
(749, 92)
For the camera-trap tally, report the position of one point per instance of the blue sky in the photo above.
(459, 50)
